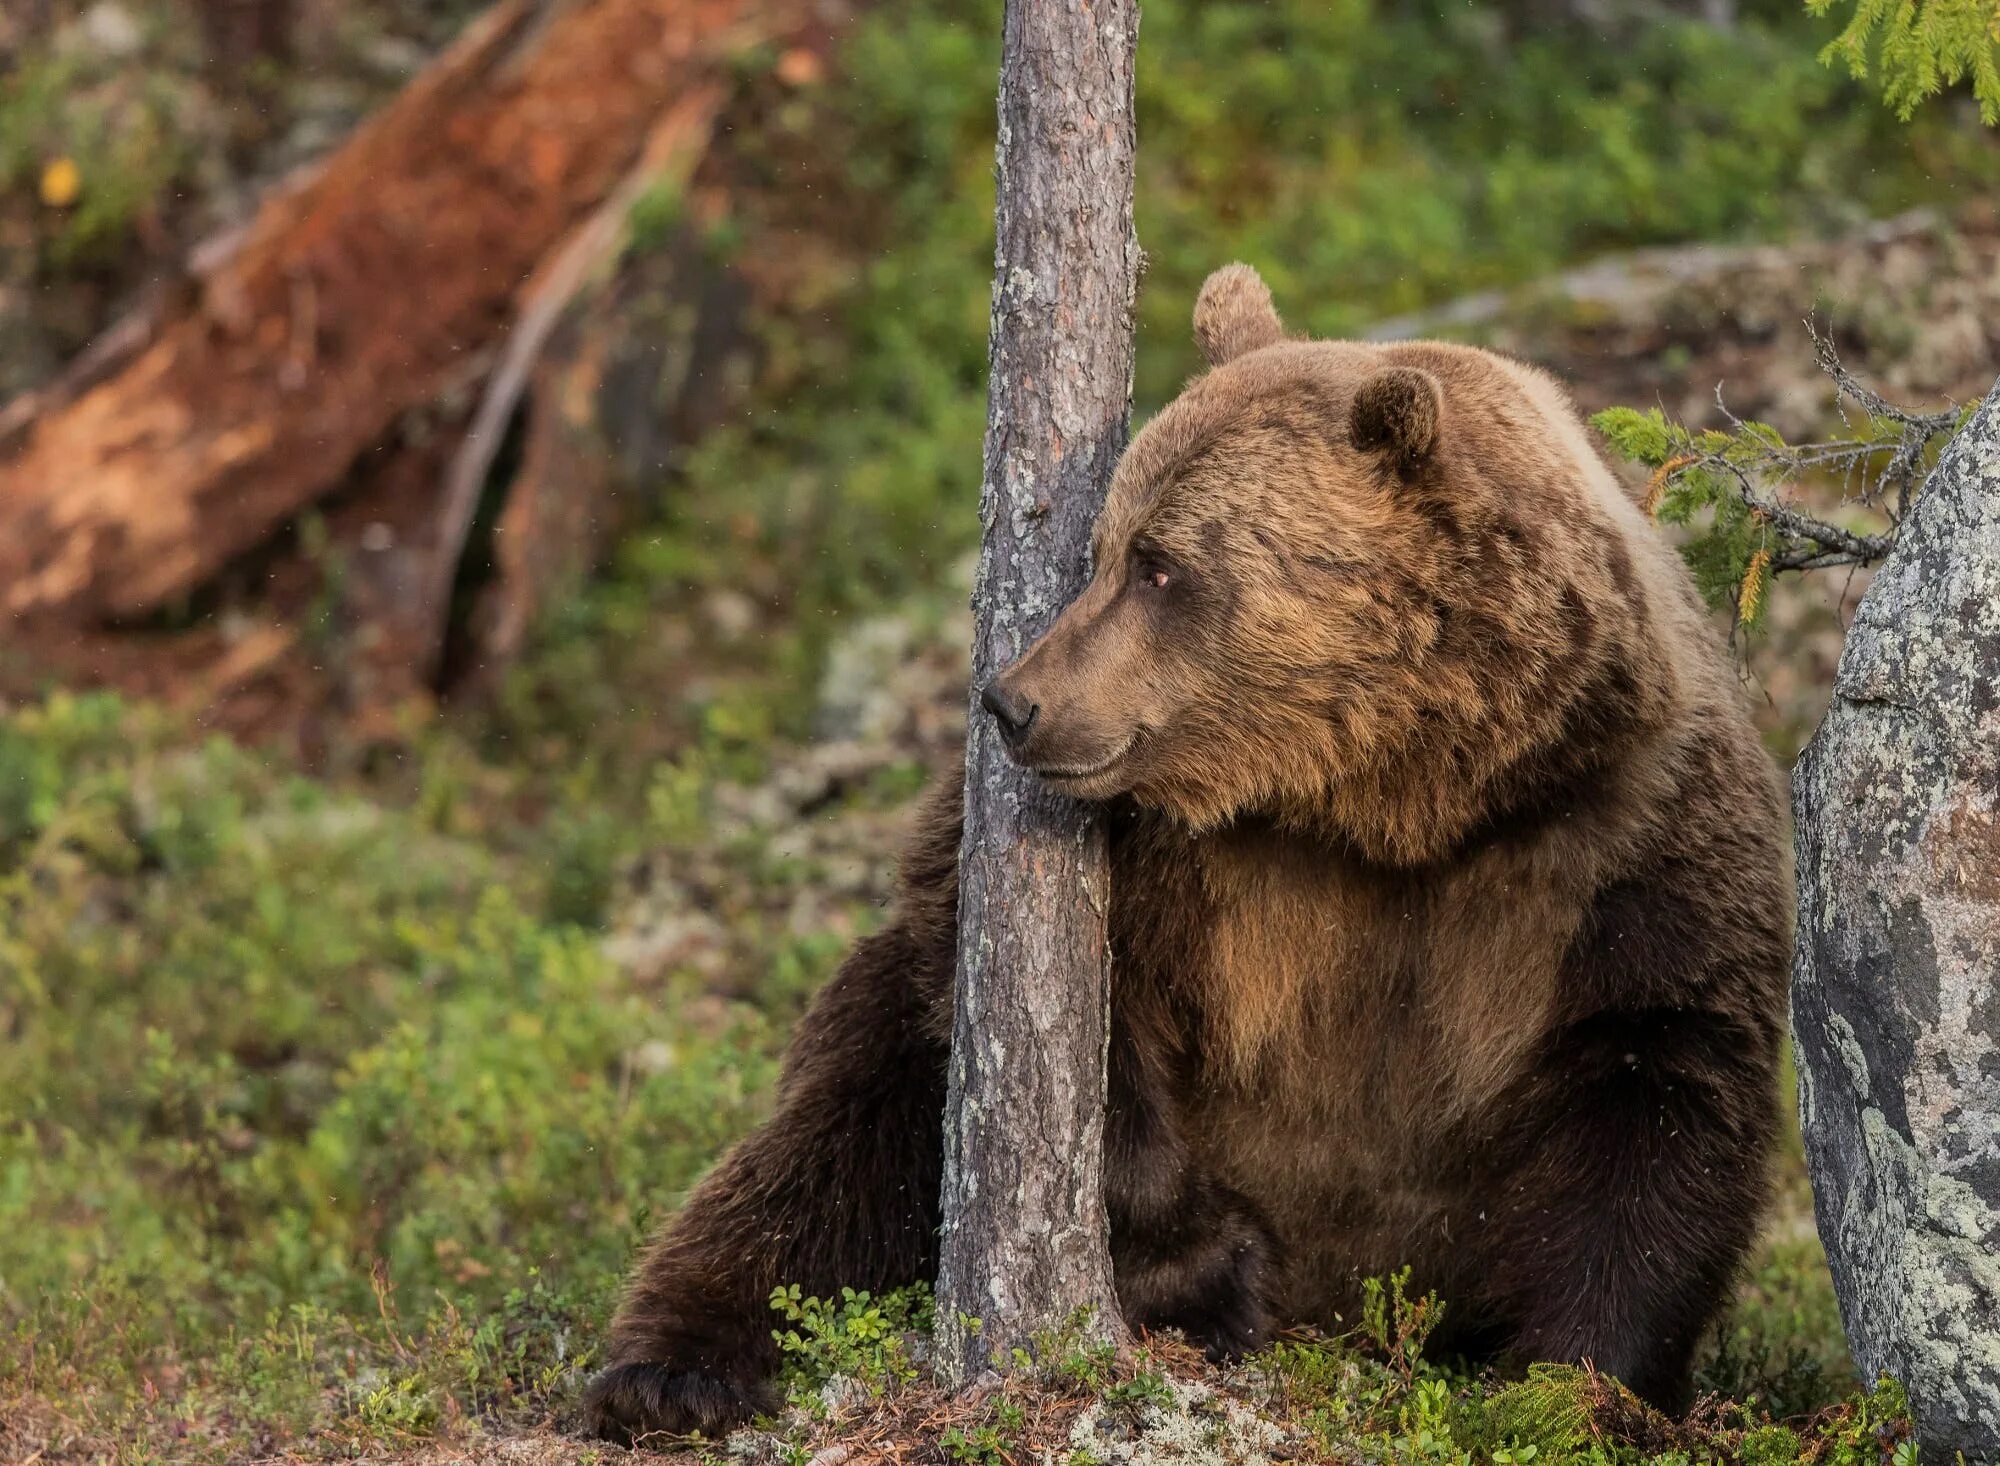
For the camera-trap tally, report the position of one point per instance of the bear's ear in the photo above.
(1396, 412)
(1234, 314)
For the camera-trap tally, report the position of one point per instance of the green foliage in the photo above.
(1643, 437)
(1376, 1382)
(1751, 506)
(1693, 485)
(1356, 1408)
(1374, 159)
(1547, 1414)
(988, 1442)
(1917, 48)
(1396, 1323)
(860, 1338)
(280, 1054)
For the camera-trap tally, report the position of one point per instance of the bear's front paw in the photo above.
(1223, 1311)
(1225, 1326)
(628, 1402)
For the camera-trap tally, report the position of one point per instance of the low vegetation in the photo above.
(329, 1124)
(855, 1383)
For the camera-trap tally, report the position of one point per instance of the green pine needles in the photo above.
(1747, 499)
(1917, 48)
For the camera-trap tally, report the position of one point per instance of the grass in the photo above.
(328, 1115)
(326, 1126)
(318, 1114)
(1373, 1394)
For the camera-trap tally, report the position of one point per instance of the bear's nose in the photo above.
(1014, 713)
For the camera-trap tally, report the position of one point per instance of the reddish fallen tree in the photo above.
(432, 257)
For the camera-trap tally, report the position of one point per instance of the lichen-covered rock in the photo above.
(1896, 986)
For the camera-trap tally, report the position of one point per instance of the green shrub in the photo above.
(861, 1337)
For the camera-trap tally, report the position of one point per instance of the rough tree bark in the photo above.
(1896, 1011)
(1024, 1242)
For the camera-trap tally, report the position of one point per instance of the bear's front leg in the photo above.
(1626, 1193)
(1187, 1252)
(838, 1189)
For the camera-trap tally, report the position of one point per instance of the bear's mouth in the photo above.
(1076, 773)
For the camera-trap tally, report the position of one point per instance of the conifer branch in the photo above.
(1737, 490)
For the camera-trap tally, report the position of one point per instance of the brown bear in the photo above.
(1450, 905)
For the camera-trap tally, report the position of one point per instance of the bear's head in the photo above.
(1353, 586)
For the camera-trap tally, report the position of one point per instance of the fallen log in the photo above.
(354, 299)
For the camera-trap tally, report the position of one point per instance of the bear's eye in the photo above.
(1151, 568)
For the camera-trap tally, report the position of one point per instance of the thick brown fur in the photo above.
(1450, 905)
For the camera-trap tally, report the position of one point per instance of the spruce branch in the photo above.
(1917, 48)
(1739, 490)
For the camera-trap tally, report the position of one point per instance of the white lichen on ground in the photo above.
(1188, 1424)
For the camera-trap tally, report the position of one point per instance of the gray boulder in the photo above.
(1896, 982)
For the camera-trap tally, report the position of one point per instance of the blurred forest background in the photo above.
(411, 864)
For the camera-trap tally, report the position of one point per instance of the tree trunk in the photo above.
(1024, 1244)
(1896, 1011)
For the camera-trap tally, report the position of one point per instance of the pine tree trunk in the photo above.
(1024, 1243)
(1896, 1012)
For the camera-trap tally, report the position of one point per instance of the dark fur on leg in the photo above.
(630, 1402)
(1208, 1276)
(838, 1189)
(1187, 1252)
(1620, 1228)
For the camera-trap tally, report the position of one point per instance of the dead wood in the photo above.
(350, 301)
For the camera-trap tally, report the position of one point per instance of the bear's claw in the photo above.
(629, 1402)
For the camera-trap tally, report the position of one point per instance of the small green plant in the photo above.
(992, 1440)
(1868, 1430)
(1088, 1364)
(396, 1410)
(1143, 1387)
(1425, 1424)
(1396, 1323)
(1770, 1445)
(1548, 1414)
(859, 1337)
